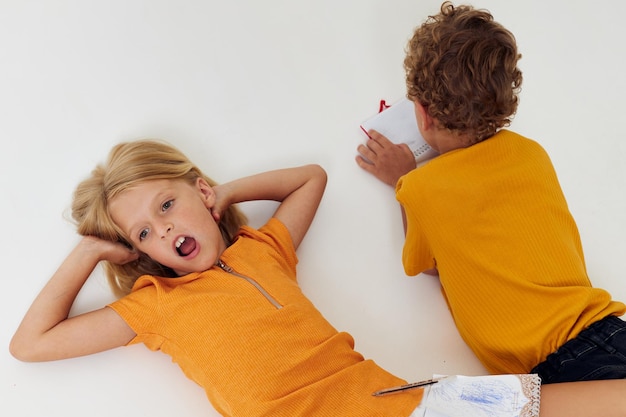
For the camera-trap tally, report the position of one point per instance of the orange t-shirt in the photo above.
(493, 219)
(254, 342)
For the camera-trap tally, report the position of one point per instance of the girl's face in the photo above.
(171, 222)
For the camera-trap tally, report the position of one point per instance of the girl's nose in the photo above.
(166, 230)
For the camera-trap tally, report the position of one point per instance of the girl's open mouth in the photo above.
(185, 245)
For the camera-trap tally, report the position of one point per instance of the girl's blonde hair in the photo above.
(129, 164)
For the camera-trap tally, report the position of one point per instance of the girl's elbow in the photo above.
(17, 351)
(323, 174)
(319, 174)
(23, 350)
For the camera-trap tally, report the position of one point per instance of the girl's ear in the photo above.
(206, 192)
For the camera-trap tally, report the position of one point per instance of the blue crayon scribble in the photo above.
(477, 397)
(485, 393)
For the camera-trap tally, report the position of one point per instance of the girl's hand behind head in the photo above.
(114, 252)
(221, 203)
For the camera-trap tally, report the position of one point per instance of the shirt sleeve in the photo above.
(275, 234)
(140, 310)
(417, 255)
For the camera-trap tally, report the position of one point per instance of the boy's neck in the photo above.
(444, 140)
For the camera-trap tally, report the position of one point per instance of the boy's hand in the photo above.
(384, 159)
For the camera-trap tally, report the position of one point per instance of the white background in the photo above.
(243, 86)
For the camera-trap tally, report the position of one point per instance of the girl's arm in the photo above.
(298, 189)
(46, 332)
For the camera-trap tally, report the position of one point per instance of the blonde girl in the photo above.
(219, 297)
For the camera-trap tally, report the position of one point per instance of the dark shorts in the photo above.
(598, 352)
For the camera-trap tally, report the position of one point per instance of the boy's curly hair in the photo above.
(462, 67)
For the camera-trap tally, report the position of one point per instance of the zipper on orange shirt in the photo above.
(251, 281)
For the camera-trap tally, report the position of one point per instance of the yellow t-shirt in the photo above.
(493, 219)
(254, 342)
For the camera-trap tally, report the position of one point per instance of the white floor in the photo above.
(247, 86)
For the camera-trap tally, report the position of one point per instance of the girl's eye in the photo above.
(143, 234)
(167, 205)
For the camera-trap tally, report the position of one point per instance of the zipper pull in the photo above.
(223, 266)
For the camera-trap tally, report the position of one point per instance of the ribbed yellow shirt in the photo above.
(259, 348)
(493, 219)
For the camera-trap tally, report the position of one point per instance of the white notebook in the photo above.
(398, 123)
(482, 396)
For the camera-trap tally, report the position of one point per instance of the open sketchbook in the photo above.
(398, 123)
(482, 396)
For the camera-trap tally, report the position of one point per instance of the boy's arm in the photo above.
(384, 159)
(46, 332)
(432, 271)
(298, 189)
